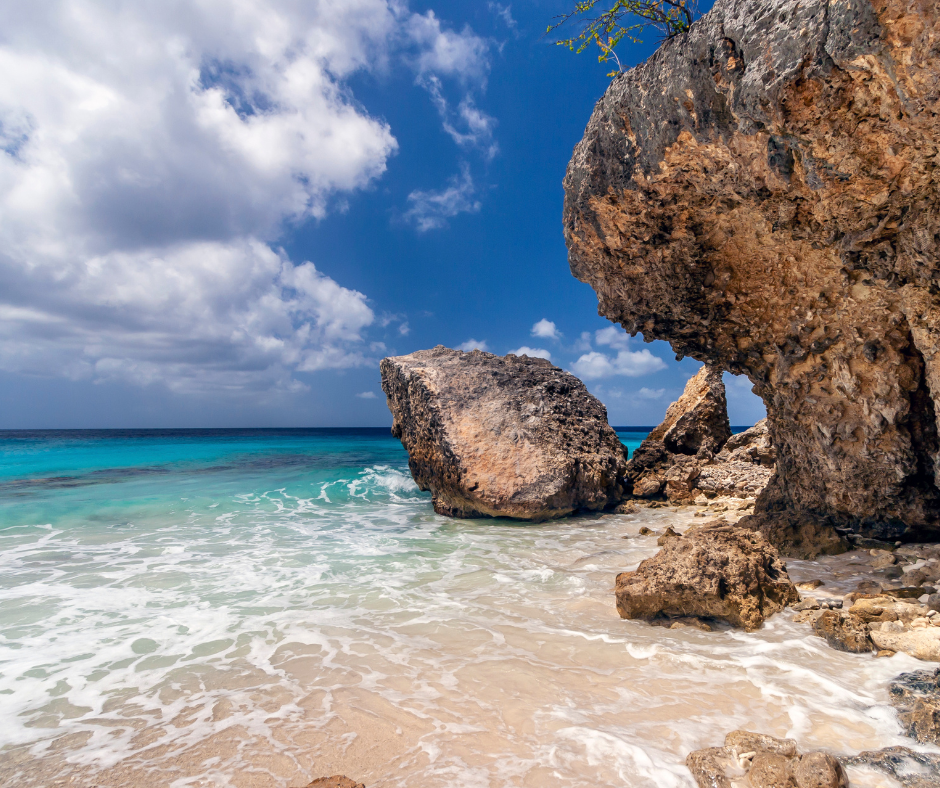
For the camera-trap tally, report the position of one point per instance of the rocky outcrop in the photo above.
(693, 452)
(713, 571)
(843, 631)
(911, 769)
(698, 420)
(502, 437)
(916, 696)
(762, 761)
(764, 194)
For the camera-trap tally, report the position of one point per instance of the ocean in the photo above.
(263, 607)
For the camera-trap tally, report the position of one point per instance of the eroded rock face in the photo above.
(714, 571)
(764, 194)
(502, 437)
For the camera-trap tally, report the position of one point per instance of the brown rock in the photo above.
(763, 194)
(820, 770)
(336, 781)
(751, 446)
(810, 585)
(764, 762)
(502, 437)
(698, 420)
(695, 427)
(746, 741)
(916, 696)
(710, 767)
(667, 535)
(770, 770)
(797, 536)
(843, 631)
(716, 571)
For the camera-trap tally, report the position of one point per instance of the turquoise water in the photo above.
(264, 607)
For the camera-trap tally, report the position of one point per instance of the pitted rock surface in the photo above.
(764, 193)
(916, 696)
(714, 571)
(502, 436)
(698, 420)
(762, 761)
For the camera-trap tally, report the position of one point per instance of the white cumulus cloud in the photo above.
(594, 365)
(367, 395)
(647, 393)
(532, 352)
(612, 336)
(473, 344)
(545, 329)
(151, 154)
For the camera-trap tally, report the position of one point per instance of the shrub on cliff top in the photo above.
(625, 19)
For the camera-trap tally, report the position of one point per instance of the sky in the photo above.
(224, 213)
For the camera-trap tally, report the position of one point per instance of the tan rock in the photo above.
(820, 770)
(502, 437)
(336, 781)
(843, 631)
(764, 194)
(761, 761)
(770, 770)
(920, 643)
(746, 741)
(714, 571)
(698, 420)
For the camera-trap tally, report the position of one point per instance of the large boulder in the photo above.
(764, 194)
(502, 437)
(714, 571)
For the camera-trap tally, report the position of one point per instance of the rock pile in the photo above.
(869, 621)
(693, 457)
(762, 761)
(714, 571)
(502, 437)
(763, 194)
(336, 781)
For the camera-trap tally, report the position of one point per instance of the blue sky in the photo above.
(220, 214)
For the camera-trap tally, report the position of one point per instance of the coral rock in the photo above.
(843, 631)
(336, 781)
(716, 571)
(763, 193)
(764, 762)
(916, 696)
(502, 437)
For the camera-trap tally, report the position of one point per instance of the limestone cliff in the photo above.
(502, 436)
(763, 194)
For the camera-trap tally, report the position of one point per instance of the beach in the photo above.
(259, 608)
